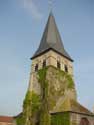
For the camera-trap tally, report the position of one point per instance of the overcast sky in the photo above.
(22, 24)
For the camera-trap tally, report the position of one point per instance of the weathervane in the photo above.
(51, 4)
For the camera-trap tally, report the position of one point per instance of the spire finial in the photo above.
(50, 4)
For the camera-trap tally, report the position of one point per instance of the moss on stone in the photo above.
(65, 75)
(59, 83)
(70, 81)
(68, 78)
(60, 73)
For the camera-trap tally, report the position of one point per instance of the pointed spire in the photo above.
(51, 40)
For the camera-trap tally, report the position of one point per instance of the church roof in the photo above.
(51, 40)
(73, 106)
(77, 107)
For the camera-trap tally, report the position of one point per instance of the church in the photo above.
(51, 98)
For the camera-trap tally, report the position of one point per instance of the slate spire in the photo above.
(51, 40)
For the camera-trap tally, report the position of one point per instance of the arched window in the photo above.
(66, 68)
(36, 67)
(58, 65)
(84, 121)
(44, 63)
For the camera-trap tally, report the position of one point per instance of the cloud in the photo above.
(32, 8)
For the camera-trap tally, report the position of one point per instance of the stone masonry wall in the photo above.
(76, 118)
(51, 58)
(59, 87)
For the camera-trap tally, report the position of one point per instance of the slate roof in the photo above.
(51, 40)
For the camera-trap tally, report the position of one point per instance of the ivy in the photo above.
(44, 115)
(27, 100)
(31, 106)
(68, 77)
(43, 83)
(70, 81)
(32, 100)
(36, 104)
(60, 119)
(20, 120)
(44, 111)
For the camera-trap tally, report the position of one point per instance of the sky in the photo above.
(22, 24)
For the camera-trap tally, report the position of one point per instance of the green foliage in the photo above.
(44, 111)
(20, 120)
(34, 103)
(70, 81)
(44, 115)
(68, 78)
(43, 83)
(60, 119)
(27, 100)
(42, 74)
(31, 106)
(32, 100)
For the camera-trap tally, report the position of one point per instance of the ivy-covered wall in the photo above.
(20, 120)
(60, 84)
(31, 107)
(60, 119)
(53, 84)
(44, 111)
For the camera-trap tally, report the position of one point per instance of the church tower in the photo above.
(51, 97)
(51, 51)
(51, 78)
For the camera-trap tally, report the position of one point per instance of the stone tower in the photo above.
(51, 96)
(51, 50)
(51, 53)
(51, 77)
